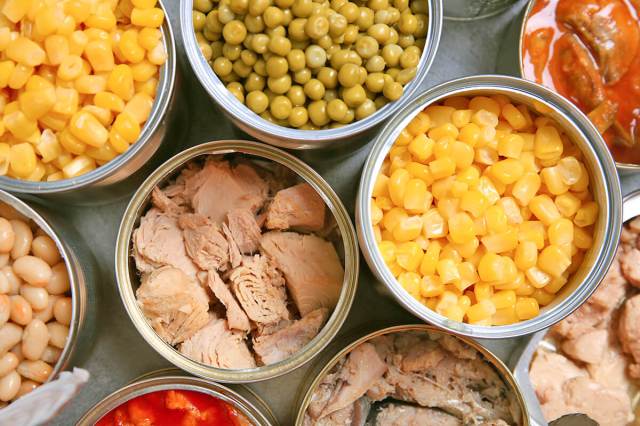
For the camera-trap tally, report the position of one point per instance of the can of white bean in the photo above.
(45, 284)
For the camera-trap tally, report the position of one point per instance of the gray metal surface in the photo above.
(120, 354)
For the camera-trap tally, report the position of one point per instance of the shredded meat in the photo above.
(629, 333)
(299, 206)
(236, 317)
(244, 230)
(204, 243)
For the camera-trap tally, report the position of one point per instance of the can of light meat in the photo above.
(342, 347)
(623, 168)
(124, 173)
(242, 399)
(81, 269)
(522, 357)
(128, 280)
(603, 178)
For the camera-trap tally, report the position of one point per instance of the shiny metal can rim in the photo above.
(155, 384)
(333, 203)
(502, 369)
(165, 91)
(622, 167)
(285, 137)
(76, 279)
(595, 150)
(521, 359)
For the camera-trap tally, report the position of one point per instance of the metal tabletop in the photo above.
(119, 354)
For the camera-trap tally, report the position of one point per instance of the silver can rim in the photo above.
(622, 167)
(165, 91)
(143, 387)
(76, 280)
(285, 137)
(594, 149)
(503, 370)
(351, 262)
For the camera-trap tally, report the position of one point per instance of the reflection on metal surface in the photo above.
(466, 10)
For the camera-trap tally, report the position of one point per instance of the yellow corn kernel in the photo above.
(57, 48)
(537, 277)
(131, 50)
(127, 127)
(377, 233)
(109, 101)
(380, 187)
(586, 215)
(514, 117)
(525, 212)
(66, 101)
(6, 71)
(548, 144)
(487, 188)
(532, 231)
(527, 308)
(420, 124)
(444, 131)
(149, 38)
(463, 154)
(430, 286)
(397, 186)
(483, 291)
(70, 68)
(26, 52)
(5, 158)
(430, 259)
(484, 118)
(504, 299)
(410, 281)
(90, 84)
(491, 268)
(399, 152)
(100, 55)
(434, 225)
(37, 103)
(442, 168)
(526, 188)
(561, 232)
(461, 118)
(153, 17)
(552, 178)
(511, 210)
(496, 219)
(23, 160)
(556, 284)
(528, 160)
(442, 148)
(416, 197)
(511, 146)
(468, 275)
(387, 251)
(384, 203)
(526, 255)
(421, 147)
(470, 134)
(48, 147)
(470, 176)
(542, 297)
(19, 124)
(458, 189)
(120, 82)
(404, 138)
(581, 238)
(449, 252)
(468, 249)
(408, 229)
(20, 76)
(79, 166)
(567, 204)
(71, 143)
(480, 226)
(446, 300)
(454, 313)
(448, 207)
(505, 316)
(420, 171)
(461, 228)
(465, 302)
(376, 213)
(486, 155)
(482, 310)
(102, 18)
(478, 103)
(513, 284)
(583, 183)
(88, 129)
(442, 188)
(393, 217)
(543, 208)
(570, 170)
(448, 271)
(553, 260)
(409, 255)
(15, 10)
(501, 242)
(507, 171)
(143, 71)
(526, 289)
(139, 107)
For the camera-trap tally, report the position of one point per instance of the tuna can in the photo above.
(345, 345)
(248, 404)
(521, 359)
(468, 10)
(623, 168)
(124, 173)
(285, 137)
(80, 267)
(127, 279)
(604, 179)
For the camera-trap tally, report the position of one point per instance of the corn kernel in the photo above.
(26, 52)
(37, 103)
(88, 129)
(461, 228)
(570, 170)
(387, 251)
(553, 260)
(19, 124)
(410, 281)
(78, 166)
(448, 271)
(463, 154)
(421, 147)
(496, 219)
(526, 188)
(482, 310)
(442, 168)
(454, 313)
(542, 297)
(556, 284)
(461, 118)
(408, 229)
(409, 255)
(548, 144)
(586, 215)
(483, 291)
(514, 117)
(420, 124)
(502, 242)
(581, 238)
(526, 255)
(511, 210)
(543, 208)
(20, 75)
(507, 171)
(561, 232)
(511, 146)
(488, 189)
(23, 160)
(102, 18)
(420, 171)
(468, 249)
(583, 182)
(416, 197)
(552, 178)
(537, 277)
(397, 186)
(505, 316)
(504, 299)
(527, 308)
(429, 261)
(404, 138)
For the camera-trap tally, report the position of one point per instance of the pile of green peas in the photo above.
(312, 64)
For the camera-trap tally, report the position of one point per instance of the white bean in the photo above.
(8, 363)
(7, 236)
(4, 259)
(37, 297)
(10, 213)
(45, 248)
(21, 311)
(9, 386)
(10, 335)
(14, 281)
(51, 355)
(23, 239)
(25, 387)
(5, 309)
(47, 313)
(58, 334)
(35, 340)
(5, 287)
(63, 310)
(17, 351)
(59, 282)
(38, 371)
(33, 270)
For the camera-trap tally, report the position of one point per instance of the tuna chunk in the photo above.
(611, 371)
(218, 189)
(549, 371)
(165, 204)
(325, 390)
(244, 230)
(409, 415)
(204, 242)
(423, 356)
(629, 333)
(588, 347)
(260, 289)
(297, 207)
(158, 242)
(311, 267)
(608, 407)
(236, 317)
(235, 257)
(630, 264)
(272, 348)
(363, 368)
(175, 306)
(217, 345)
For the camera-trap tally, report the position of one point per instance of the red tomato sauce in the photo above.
(174, 408)
(542, 48)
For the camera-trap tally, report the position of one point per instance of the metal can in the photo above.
(127, 279)
(623, 168)
(285, 137)
(467, 10)
(80, 266)
(124, 173)
(240, 397)
(332, 356)
(604, 178)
